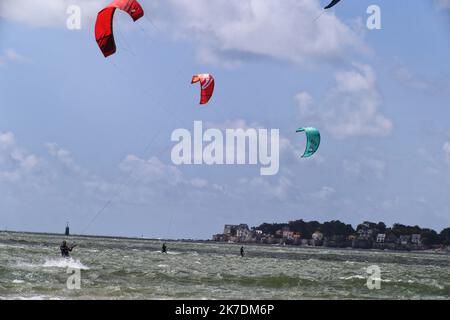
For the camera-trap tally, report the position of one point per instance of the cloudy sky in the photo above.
(87, 139)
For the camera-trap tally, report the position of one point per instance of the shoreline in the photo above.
(98, 236)
(425, 251)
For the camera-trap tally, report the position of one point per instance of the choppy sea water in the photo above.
(31, 268)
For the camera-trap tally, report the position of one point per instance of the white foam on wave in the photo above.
(168, 252)
(16, 281)
(35, 297)
(379, 279)
(65, 263)
(353, 277)
(396, 281)
(56, 263)
(15, 246)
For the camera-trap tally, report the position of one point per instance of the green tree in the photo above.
(381, 227)
(445, 236)
(402, 230)
(271, 228)
(337, 229)
(430, 237)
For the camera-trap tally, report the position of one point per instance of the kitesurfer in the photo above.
(164, 248)
(65, 249)
(242, 252)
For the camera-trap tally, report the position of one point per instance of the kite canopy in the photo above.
(207, 86)
(332, 4)
(313, 141)
(104, 24)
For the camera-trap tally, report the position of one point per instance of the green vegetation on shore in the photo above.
(338, 234)
(336, 228)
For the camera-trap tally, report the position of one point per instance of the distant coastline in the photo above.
(336, 234)
(208, 241)
(333, 234)
(96, 236)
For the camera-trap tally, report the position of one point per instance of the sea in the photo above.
(116, 268)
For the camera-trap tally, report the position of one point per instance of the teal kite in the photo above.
(313, 141)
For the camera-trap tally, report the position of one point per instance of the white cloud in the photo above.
(63, 156)
(323, 194)
(405, 76)
(147, 184)
(446, 149)
(47, 13)
(7, 140)
(351, 107)
(226, 32)
(287, 149)
(147, 180)
(305, 104)
(378, 167)
(26, 161)
(10, 55)
(431, 84)
(199, 183)
(442, 4)
(279, 189)
(151, 170)
(365, 168)
(233, 124)
(352, 168)
(15, 163)
(362, 78)
(232, 30)
(354, 105)
(142, 181)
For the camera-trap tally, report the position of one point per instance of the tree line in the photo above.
(337, 229)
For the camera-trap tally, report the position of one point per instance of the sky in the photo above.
(86, 140)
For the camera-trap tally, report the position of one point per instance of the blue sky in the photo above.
(77, 130)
